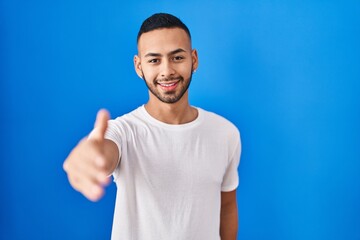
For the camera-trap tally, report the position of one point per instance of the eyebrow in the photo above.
(179, 50)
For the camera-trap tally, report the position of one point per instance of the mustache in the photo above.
(168, 79)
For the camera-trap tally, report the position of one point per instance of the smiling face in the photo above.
(166, 61)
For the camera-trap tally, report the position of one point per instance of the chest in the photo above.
(177, 160)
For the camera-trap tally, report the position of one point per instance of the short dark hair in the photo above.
(161, 20)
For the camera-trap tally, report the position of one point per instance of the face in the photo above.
(166, 62)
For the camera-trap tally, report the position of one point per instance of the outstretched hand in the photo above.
(86, 165)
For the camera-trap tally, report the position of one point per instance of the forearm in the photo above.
(229, 222)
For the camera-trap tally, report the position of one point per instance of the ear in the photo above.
(195, 60)
(137, 65)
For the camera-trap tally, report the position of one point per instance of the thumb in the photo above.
(101, 124)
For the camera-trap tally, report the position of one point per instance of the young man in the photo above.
(175, 165)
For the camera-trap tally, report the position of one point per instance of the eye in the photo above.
(178, 58)
(154, 60)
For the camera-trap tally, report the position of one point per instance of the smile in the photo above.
(168, 86)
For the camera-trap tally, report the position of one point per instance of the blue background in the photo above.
(286, 73)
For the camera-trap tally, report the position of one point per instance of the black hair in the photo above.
(161, 20)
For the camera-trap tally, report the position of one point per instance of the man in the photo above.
(175, 165)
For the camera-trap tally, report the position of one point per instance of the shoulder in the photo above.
(219, 123)
(214, 118)
(126, 122)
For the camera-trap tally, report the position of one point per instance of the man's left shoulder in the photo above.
(218, 121)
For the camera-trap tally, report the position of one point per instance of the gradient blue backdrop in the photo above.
(286, 73)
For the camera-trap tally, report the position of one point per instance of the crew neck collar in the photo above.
(153, 120)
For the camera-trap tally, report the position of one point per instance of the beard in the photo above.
(169, 96)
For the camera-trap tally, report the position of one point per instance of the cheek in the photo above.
(183, 70)
(186, 72)
(148, 73)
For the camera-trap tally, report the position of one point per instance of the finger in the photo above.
(94, 149)
(89, 188)
(87, 179)
(93, 172)
(101, 124)
(84, 169)
(95, 194)
(86, 164)
(67, 165)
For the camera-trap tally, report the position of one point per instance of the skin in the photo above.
(90, 163)
(228, 216)
(166, 62)
(164, 56)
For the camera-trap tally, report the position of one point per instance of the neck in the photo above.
(175, 113)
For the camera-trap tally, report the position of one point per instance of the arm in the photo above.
(90, 163)
(228, 216)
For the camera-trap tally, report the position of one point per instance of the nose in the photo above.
(167, 69)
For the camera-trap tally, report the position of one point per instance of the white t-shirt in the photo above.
(170, 177)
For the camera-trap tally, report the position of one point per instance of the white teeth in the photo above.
(167, 85)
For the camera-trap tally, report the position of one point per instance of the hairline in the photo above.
(162, 28)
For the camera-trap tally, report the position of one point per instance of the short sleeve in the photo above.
(231, 177)
(113, 134)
